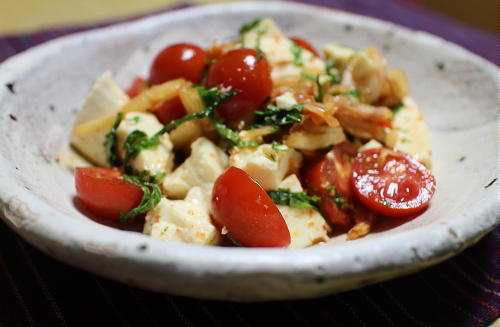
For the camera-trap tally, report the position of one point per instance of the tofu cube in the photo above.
(372, 144)
(104, 98)
(285, 100)
(268, 37)
(157, 159)
(266, 164)
(409, 133)
(186, 221)
(338, 53)
(206, 162)
(306, 226)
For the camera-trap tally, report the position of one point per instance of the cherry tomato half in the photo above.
(329, 176)
(170, 110)
(138, 85)
(305, 45)
(178, 60)
(246, 71)
(241, 205)
(391, 182)
(104, 192)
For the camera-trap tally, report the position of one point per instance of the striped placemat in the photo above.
(36, 290)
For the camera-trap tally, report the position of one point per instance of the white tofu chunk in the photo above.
(267, 165)
(186, 221)
(338, 53)
(267, 36)
(372, 144)
(157, 159)
(104, 98)
(285, 100)
(203, 166)
(409, 133)
(306, 226)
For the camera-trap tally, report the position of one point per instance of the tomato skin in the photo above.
(399, 181)
(243, 70)
(241, 205)
(327, 175)
(104, 191)
(332, 169)
(170, 110)
(138, 85)
(305, 45)
(335, 215)
(181, 60)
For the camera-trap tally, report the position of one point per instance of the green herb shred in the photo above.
(297, 55)
(397, 108)
(308, 76)
(135, 119)
(352, 93)
(260, 54)
(134, 143)
(335, 75)
(299, 200)
(138, 140)
(232, 240)
(339, 200)
(386, 203)
(278, 147)
(249, 26)
(230, 135)
(212, 98)
(274, 116)
(336, 198)
(146, 176)
(111, 143)
(260, 32)
(319, 96)
(150, 198)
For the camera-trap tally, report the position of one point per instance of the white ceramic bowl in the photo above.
(456, 90)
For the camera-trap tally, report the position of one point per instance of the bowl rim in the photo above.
(33, 218)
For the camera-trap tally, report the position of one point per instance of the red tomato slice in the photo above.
(104, 192)
(241, 205)
(246, 71)
(337, 216)
(138, 85)
(181, 60)
(391, 182)
(329, 175)
(304, 44)
(170, 110)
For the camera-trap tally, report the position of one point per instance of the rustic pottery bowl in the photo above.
(456, 90)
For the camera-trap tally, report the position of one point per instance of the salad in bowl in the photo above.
(261, 141)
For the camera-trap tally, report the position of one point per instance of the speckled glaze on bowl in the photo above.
(456, 90)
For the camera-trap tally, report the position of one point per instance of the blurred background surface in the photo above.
(21, 16)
